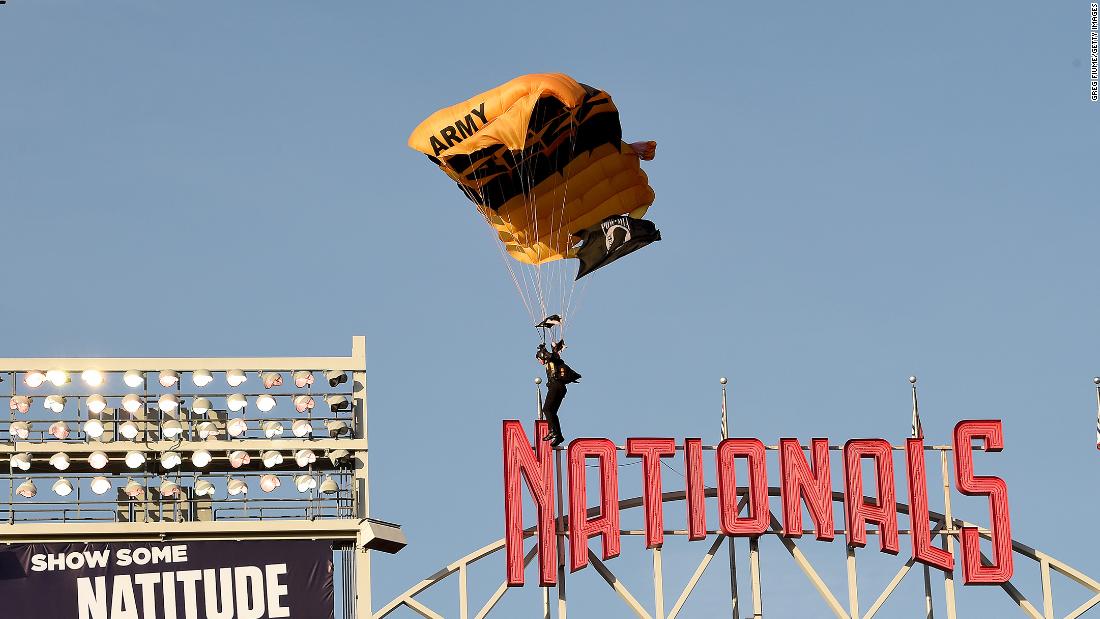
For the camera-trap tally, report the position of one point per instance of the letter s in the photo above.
(1000, 529)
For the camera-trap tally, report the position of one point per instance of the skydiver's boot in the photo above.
(554, 436)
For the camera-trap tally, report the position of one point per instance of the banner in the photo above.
(166, 580)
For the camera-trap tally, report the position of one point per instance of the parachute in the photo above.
(542, 158)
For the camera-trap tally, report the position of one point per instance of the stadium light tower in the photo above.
(169, 449)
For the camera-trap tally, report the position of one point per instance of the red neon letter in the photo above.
(799, 482)
(651, 450)
(759, 515)
(919, 531)
(606, 524)
(974, 573)
(696, 498)
(520, 460)
(883, 510)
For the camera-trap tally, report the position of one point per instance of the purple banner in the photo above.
(167, 580)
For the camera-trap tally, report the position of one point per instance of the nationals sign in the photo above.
(165, 580)
(802, 481)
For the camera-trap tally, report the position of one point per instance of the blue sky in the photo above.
(848, 194)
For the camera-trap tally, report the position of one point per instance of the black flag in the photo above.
(612, 239)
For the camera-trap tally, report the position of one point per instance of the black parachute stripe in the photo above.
(555, 136)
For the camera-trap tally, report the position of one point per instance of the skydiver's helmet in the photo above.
(542, 354)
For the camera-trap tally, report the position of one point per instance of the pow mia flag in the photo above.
(612, 239)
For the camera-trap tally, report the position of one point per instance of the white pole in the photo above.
(732, 548)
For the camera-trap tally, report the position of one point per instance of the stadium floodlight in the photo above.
(337, 403)
(237, 426)
(304, 457)
(21, 403)
(27, 489)
(168, 402)
(131, 403)
(92, 378)
(34, 378)
(303, 378)
(133, 379)
(60, 461)
(208, 430)
(265, 403)
(21, 461)
(235, 377)
(329, 486)
(269, 482)
(171, 429)
(236, 486)
(204, 488)
(201, 406)
(201, 378)
(201, 458)
(337, 428)
(19, 430)
(303, 402)
(271, 458)
(169, 488)
(128, 430)
(271, 379)
(239, 458)
(272, 429)
(93, 428)
(57, 377)
(100, 484)
(135, 459)
(305, 482)
(302, 428)
(337, 455)
(170, 459)
(59, 430)
(168, 378)
(96, 403)
(97, 460)
(336, 377)
(62, 487)
(236, 402)
(55, 403)
(133, 489)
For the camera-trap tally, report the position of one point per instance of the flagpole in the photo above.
(1096, 381)
(918, 432)
(538, 397)
(732, 548)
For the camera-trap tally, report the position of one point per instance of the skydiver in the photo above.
(558, 374)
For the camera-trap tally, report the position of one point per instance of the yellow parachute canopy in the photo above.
(542, 157)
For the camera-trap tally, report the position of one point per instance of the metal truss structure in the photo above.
(851, 604)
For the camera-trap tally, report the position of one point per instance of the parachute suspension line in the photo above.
(565, 298)
(523, 295)
(530, 207)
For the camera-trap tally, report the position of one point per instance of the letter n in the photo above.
(800, 482)
(521, 461)
(1000, 530)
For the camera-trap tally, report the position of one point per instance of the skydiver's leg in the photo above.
(555, 393)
